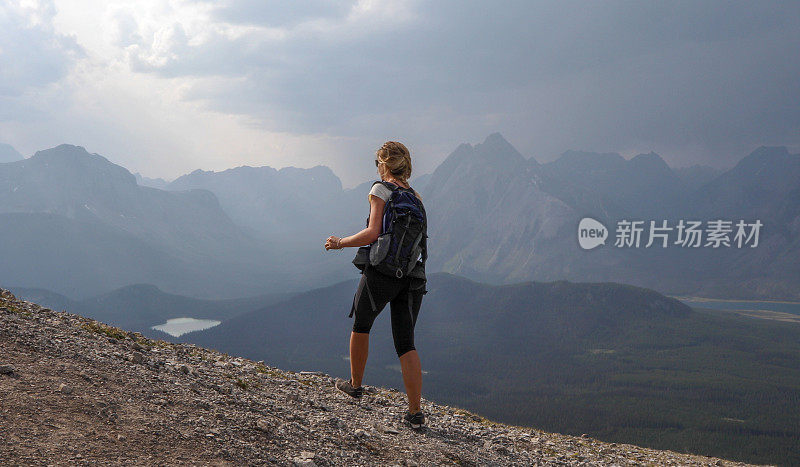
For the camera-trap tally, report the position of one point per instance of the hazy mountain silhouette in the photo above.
(9, 154)
(291, 205)
(763, 186)
(151, 182)
(81, 226)
(113, 231)
(514, 219)
(293, 209)
(641, 187)
(758, 186)
(696, 175)
(420, 183)
(491, 220)
(85, 258)
(70, 182)
(494, 216)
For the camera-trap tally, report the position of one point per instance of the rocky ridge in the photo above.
(77, 391)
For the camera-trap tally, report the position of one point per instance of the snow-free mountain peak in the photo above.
(495, 148)
(75, 164)
(8, 153)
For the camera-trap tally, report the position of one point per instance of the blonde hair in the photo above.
(397, 160)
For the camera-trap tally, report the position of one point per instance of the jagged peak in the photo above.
(463, 148)
(69, 147)
(9, 154)
(495, 137)
(317, 169)
(495, 148)
(65, 149)
(78, 159)
(766, 156)
(778, 153)
(649, 155)
(260, 176)
(651, 159)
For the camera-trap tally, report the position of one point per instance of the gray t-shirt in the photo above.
(381, 191)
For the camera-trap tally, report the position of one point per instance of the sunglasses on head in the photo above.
(377, 162)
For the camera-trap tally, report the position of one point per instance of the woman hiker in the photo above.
(404, 295)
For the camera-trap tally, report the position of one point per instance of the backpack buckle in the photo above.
(398, 273)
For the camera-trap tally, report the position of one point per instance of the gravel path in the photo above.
(74, 391)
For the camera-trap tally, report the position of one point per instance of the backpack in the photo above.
(403, 237)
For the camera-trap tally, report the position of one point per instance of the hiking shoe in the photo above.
(415, 420)
(347, 387)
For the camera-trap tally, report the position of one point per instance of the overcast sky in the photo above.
(166, 87)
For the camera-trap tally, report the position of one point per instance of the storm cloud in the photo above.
(328, 82)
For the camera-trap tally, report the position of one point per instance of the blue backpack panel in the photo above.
(403, 236)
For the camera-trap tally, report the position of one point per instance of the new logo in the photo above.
(591, 233)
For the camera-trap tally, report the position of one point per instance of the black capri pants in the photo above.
(404, 295)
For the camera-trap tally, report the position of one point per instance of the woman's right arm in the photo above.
(371, 232)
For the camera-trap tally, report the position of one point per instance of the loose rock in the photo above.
(214, 409)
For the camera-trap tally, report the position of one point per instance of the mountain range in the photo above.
(495, 216)
(79, 225)
(498, 217)
(519, 322)
(9, 154)
(290, 204)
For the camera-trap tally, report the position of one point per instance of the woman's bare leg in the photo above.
(412, 377)
(359, 349)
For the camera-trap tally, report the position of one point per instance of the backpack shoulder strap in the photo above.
(424, 243)
(388, 185)
(424, 240)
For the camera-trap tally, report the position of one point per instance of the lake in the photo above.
(177, 327)
(777, 310)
